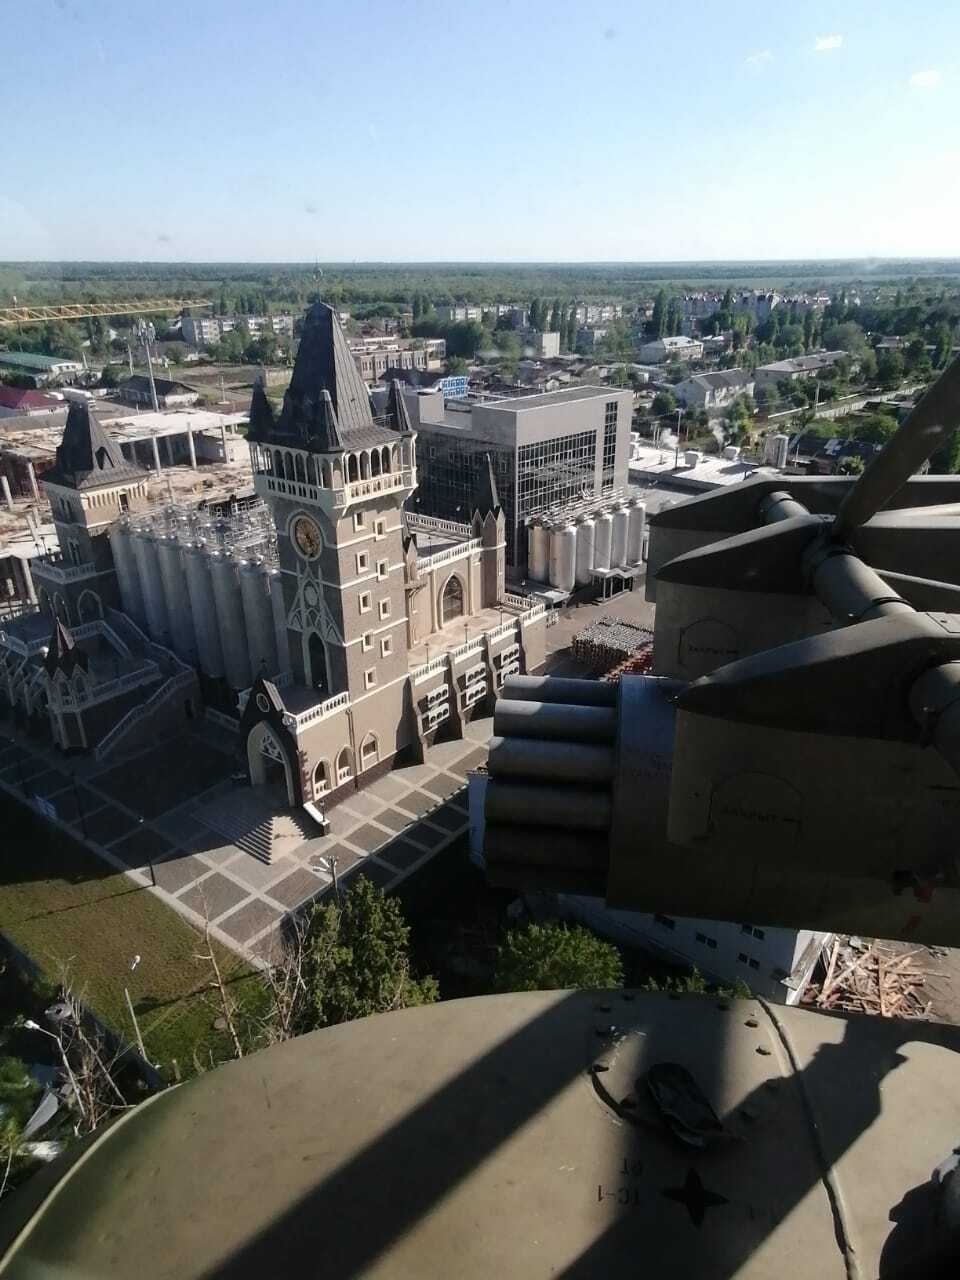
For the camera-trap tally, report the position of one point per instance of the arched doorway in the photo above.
(451, 600)
(268, 762)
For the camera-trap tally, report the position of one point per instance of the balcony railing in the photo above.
(57, 569)
(301, 719)
(418, 523)
(449, 553)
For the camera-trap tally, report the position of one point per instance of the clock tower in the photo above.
(336, 480)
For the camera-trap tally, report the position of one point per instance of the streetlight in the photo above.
(35, 1026)
(330, 865)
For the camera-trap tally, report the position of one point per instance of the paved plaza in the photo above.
(208, 855)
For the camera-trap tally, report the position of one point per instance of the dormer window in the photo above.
(103, 459)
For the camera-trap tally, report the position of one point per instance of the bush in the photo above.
(554, 957)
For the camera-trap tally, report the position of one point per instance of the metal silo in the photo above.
(196, 561)
(233, 632)
(586, 538)
(566, 537)
(603, 541)
(638, 518)
(538, 560)
(179, 615)
(258, 613)
(154, 604)
(618, 547)
(128, 575)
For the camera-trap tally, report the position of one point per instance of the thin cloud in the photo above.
(928, 79)
(759, 58)
(823, 44)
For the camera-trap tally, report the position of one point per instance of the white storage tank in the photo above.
(233, 633)
(775, 451)
(154, 604)
(618, 547)
(732, 452)
(538, 552)
(196, 564)
(179, 615)
(565, 541)
(638, 519)
(586, 538)
(128, 575)
(603, 541)
(691, 457)
(258, 616)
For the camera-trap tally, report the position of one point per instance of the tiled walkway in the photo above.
(385, 831)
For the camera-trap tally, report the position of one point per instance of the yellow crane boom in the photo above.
(82, 310)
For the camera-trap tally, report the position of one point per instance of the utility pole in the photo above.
(143, 331)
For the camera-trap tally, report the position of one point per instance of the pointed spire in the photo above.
(397, 411)
(327, 437)
(487, 499)
(261, 413)
(86, 456)
(62, 652)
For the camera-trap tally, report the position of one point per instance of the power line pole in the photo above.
(144, 335)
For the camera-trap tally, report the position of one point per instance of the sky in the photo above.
(515, 130)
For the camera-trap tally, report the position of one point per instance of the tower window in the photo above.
(370, 678)
(384, 608)
(365, 602)
(386, 647)
(380, 528)
(383, 568)
(359, 520)
(363, 562)
(366, 641)
(124, 502)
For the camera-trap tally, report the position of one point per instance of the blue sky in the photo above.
(288, 130)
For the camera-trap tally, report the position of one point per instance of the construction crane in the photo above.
(17, 315)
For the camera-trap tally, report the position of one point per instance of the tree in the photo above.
(890, 370)
(109, 376)
(664, 402)
(357, 960)
(873, 428)
(556, 317)
(537, 314)
(457, 365)
(553, 957)
(658, 322)
(850, 465)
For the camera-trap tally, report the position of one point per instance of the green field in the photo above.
(63, 905)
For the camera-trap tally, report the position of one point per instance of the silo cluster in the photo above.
(565, 551)
(207, 586)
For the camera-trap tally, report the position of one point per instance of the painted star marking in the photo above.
(695, 1196)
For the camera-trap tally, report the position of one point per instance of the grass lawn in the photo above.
(60, 903)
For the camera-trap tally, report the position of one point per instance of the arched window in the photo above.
(385, 458)
(317, 654)
(312, 470)
(369, 751)
(451, 602)
(301, 469)
(396, 457)
(327, 476)
(344, 766)
(364, 465)
(375, 462)
(289, 470)
(321, 779)
(353, 472)
(89, 607)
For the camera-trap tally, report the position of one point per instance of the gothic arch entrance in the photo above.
(268, 762)
(451, 600)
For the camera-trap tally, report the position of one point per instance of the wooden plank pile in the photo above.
(609, 641)
(638, 665)
(867, 977)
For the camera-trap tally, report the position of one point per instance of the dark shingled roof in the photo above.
(326, 407)
(87, 457)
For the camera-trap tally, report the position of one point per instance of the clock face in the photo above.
(306, 535)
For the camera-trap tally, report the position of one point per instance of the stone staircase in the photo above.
(247, 819)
